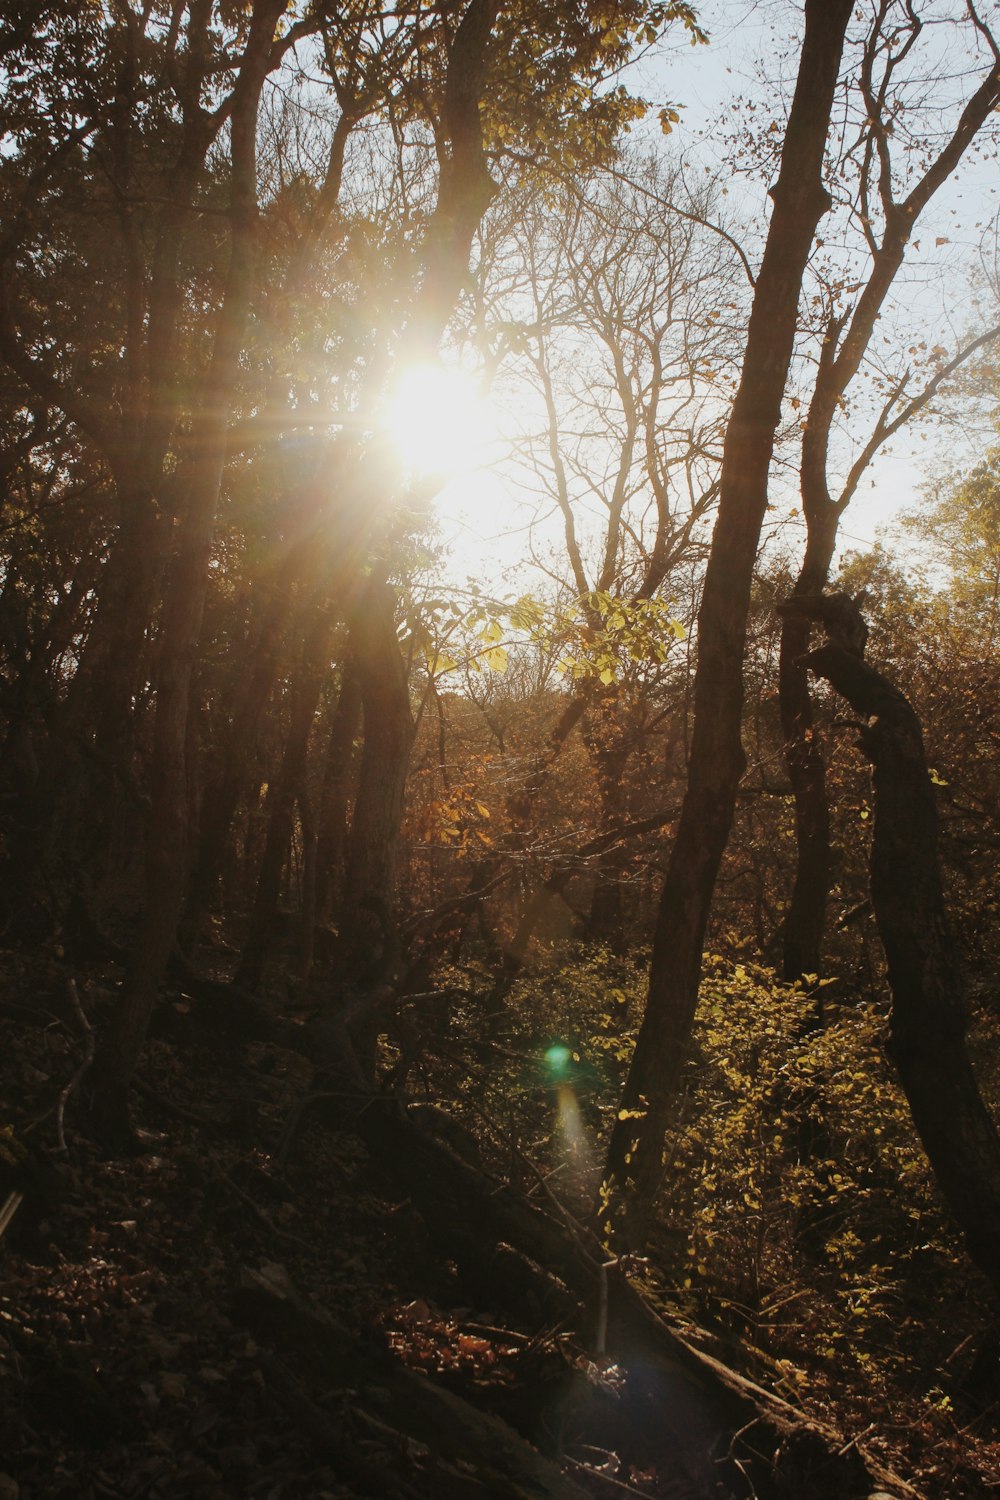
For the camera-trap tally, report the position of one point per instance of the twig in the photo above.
(618, 1485)
(487, 1331)
(601, 1337)
(547, 1176)
(33, 1011)
(854, 1441)
(574, 1228)
(959, 1349)
(730, 1455)
(9, 1208)
(81, 1070)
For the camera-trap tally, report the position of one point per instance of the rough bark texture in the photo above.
(928, 1018)
(717, 760)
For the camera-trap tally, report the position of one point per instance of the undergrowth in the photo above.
(797, 1214)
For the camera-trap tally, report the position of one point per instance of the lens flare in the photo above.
(558, 1057)
(569, 1123)
(569, 1127)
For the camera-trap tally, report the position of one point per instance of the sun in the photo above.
(439, 422)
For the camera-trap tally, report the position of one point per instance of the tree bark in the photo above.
(373, 844)
(228, 783)
(927, 1023)
(717, 760)
(465, 188)
(331, 835)
(284, 791)
(805, 919)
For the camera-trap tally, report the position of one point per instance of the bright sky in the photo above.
(756, 39)
(753, 41)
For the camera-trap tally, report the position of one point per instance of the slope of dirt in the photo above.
(240, 1311)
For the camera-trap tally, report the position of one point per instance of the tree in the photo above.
(888, 197)
(612, 324)
(716, 758)
(929, 1016)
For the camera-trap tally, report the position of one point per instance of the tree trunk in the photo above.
(113, 664)
(928, 1018)
(839, 362)
(283, 793)
(331, 835)
(370, 877)
(88, 749)
(228, 784)
(717, 760)
(307, 943)
(805, 920)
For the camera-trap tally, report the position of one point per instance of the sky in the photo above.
(752, 55)
(756, 39)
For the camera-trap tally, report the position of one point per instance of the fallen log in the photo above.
(722, 1428)
(464, 1453)
(726, 1436)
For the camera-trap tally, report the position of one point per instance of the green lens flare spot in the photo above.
(558, 1058)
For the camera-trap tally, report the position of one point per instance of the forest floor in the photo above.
(129, 1366)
